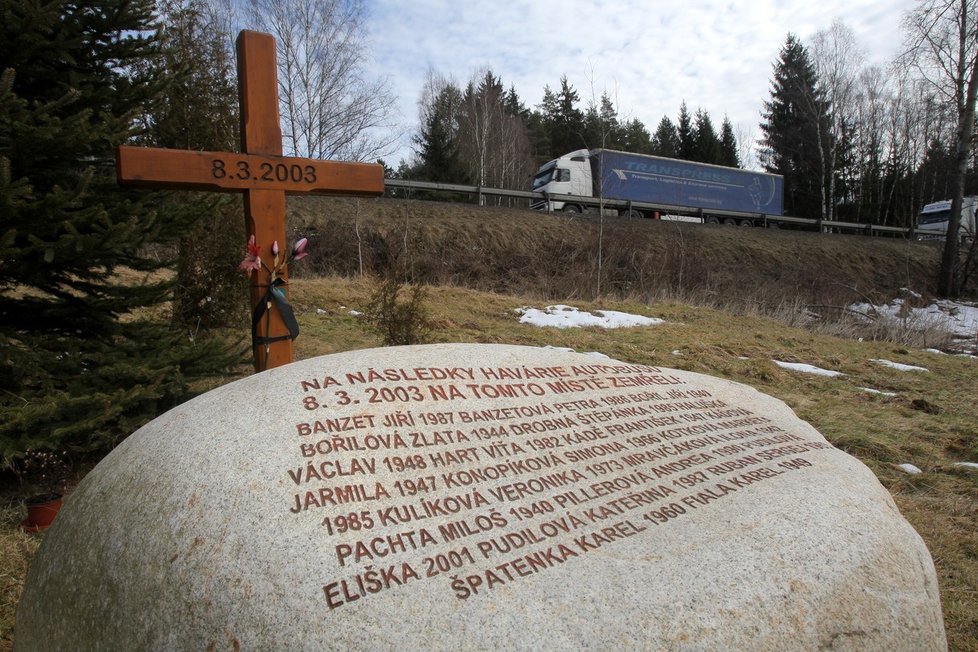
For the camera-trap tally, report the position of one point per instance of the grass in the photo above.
(527, 253)
(718, 322)
(16, 550)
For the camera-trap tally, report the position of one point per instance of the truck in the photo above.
(639, 185)
(933, 218)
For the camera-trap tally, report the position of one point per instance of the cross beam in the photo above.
(260, 172)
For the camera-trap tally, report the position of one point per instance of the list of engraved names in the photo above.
(477, 477)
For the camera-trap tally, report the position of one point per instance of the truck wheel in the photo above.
(710, 220)
(634, 214)
(729, 221)
(746, 223)
(571, 208)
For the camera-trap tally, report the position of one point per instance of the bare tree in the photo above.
(434, 86)
(492, 138)
(836, 59)
(329, 109)
(746, 147)
(942, 39)
(482, 116)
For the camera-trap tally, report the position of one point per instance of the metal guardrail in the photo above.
(481, 192)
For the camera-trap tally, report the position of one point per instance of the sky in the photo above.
(648, 55)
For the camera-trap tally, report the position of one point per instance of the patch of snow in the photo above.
(561, 316)
(320, 311)
(934, 351)
(876, 391)
(807, 369)
(915, 295)
(898, 366)
(909, 468)
(355, 313)
(958, 319)
(967, 465)
(742, 357)
(677, 352)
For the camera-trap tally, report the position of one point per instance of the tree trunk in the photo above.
(948, 281)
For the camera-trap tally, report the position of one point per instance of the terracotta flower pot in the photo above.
(41, 511)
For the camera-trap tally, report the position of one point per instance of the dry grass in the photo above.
(528, 253)
(16, 551)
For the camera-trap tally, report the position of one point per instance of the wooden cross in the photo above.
(260, 172)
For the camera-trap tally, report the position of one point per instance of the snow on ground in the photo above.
(561, 316)
(909, 468)
(967, 465)
(898, 366)
(876, 391)
(807, 368)
(958, 319)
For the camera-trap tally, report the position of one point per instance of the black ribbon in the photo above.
(273, 295)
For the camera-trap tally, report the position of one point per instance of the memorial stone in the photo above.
(480, 497)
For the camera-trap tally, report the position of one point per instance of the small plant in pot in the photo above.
(47, 473)
(41, 510)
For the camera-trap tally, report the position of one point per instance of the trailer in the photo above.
(659, 187)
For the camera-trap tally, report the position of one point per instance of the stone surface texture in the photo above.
(551, 500)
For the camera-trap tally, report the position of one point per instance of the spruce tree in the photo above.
(728, 145)
(687, 135)
(200, 112)
(437, 143)
(541, 125)
(636, 138)
(601, 125)
(567, 122)
(795, 122)
(84, 356)
(706, 142)
(665, 141)
(514, 105)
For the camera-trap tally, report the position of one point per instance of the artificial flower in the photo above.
(251, 262)
(299, 249)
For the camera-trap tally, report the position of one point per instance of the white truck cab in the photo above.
(568, 175)
(933, 219)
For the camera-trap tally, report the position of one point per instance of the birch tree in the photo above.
(330, 109)
(942, 39)
(836, 59)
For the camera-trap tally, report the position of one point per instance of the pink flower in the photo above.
(251, 262)
(253, 248)
(275, 248)
(299, 249)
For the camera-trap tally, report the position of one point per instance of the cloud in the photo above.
(649, 56)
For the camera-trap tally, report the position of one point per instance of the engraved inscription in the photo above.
(479, 477)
